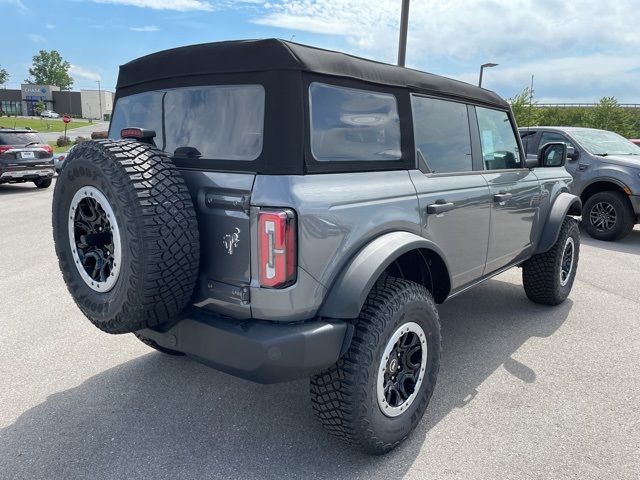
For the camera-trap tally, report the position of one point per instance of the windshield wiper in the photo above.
(31, 143)
(604, 154)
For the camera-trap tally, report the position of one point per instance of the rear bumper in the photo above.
(260, 351)
(12, 174)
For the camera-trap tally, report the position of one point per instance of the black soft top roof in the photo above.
(243, 56)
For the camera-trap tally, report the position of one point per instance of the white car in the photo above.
(58, 159)
(50, 114)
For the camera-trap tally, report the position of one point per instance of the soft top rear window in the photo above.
(349, 124)
(219, 122)
(18, 138)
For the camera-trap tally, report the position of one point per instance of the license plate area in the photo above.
(26, 155)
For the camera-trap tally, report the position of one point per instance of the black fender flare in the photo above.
(350, 289)
(565, 204)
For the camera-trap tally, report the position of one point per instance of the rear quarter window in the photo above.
(221, 122)
(349, 124)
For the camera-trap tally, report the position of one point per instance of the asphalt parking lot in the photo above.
(525, 391)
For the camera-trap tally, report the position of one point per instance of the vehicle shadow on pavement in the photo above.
(168, 417)
(8, 189)
(629, 244)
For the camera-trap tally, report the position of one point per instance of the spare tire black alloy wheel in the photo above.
(95, 239)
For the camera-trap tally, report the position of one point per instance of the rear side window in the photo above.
(349, 124)
(10, 138)
(441, 130)
(222, 122)
(499, 144)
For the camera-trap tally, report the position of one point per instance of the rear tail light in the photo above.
(4, 148)
(277, 248)
(48, 149)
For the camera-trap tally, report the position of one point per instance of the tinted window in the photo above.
(553, 137)
(528, 138)
(499, 144)
(441, 130)
(211, 122)
(9, 138)
(353, 125)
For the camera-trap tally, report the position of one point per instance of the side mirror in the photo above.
(572, 153)
(552, 154)
(532, 161)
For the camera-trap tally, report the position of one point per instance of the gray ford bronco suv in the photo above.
(606, 175)
(277, 211)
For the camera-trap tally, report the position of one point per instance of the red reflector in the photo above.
(277, 248)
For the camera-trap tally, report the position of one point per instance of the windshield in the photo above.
(14, 138)
(223, 122)
(601, 142)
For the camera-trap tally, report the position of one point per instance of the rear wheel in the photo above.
(42, 182)
(379, 390)
(608, 216)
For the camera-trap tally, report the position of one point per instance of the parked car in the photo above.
(58, 159)
(25, 158)
(606, 172)
(278, 211)
(49, 114)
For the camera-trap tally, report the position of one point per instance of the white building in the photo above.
(96, 103)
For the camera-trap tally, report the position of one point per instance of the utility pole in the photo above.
(404, 25)
(100, 98)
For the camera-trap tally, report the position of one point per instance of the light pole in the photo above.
(482, 67)
(404, 25)
(100, 98)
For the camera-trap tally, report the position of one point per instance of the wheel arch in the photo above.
(603, 184)
(401, 254)
(564, 205)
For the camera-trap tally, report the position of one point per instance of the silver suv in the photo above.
(277, 211)
(606, 175)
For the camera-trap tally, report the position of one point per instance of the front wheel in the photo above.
(548, 277)
(609, 216)
(378, 391)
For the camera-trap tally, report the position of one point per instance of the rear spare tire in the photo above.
(126, 234)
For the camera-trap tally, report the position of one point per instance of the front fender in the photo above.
(349, 292)
(565, 204)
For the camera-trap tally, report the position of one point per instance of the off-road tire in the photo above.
(150, 343)
(158, 231)
(42, 183)
(541, 273)
(625, 216)
(344, 396)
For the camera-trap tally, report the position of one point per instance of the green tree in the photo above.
(49, 68)
(609, 115)
(39, 107)
(4, 76)
(524, 108)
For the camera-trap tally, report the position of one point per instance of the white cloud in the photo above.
(77, 71)
(178, 5)
(50, 26)
(37, 38)
(15, 3)
(146, 28)
(581, 47)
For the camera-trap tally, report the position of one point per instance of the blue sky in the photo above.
(578, 50)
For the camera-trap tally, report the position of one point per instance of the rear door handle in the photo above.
(502, 197)
(440, 206)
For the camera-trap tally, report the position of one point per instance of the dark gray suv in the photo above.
(606, 172)
(277, 211)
